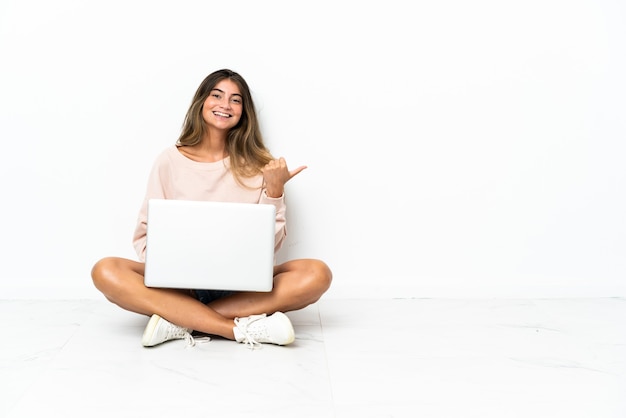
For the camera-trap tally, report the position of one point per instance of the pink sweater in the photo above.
(175, 176)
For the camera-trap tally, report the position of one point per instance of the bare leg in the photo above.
(121, 282)
(297, 284)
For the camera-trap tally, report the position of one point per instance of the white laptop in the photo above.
(210, 245)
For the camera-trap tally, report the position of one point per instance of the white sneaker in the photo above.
(159, 331)
(257, 329)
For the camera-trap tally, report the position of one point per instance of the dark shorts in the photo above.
(208, 296)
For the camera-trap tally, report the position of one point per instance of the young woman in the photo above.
(219, 156)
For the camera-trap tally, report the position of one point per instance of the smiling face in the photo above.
(223, 107)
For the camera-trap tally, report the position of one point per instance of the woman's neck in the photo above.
(209, 150)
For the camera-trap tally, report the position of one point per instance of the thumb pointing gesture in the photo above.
(276, 174)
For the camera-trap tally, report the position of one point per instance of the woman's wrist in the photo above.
(274, 194)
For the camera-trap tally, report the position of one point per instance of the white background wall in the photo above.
(455, 148)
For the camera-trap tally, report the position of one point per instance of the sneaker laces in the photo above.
(174, 331)
(191, 340)
(251, 336)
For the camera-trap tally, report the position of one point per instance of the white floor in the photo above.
(352, 358)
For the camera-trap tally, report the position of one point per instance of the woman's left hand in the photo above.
(276, 174)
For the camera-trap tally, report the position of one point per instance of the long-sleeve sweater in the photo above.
(174, 176)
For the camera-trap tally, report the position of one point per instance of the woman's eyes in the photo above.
(236, 100)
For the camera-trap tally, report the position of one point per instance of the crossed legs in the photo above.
(297, 284)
